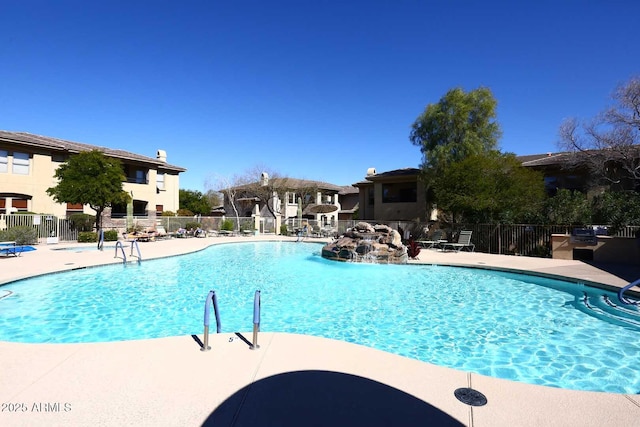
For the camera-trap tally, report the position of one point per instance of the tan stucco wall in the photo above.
(41, 177)
(399, 211)
(620, 250)
(35, 184)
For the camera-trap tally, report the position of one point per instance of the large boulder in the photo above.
(368, 243)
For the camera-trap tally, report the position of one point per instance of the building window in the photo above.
(159, 210)
(2, 206)
(4, 161)
(140, 208)
(402, 192)
(135, 175)
(120, 210)
(19, 205)
(74, 208)
(160, 181)
(20, 163)
(291, 198)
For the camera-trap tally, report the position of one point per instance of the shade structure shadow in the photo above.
(623, 271)
(324, 398)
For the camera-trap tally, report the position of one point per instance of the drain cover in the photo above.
(470, 396)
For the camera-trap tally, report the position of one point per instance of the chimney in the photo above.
(161, 155)
(371, 171)
(264, 179)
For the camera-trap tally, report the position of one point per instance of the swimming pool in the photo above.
(523, 328)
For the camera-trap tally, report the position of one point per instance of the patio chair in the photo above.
(161, 233)
(328, 231)
(435, 242)
(463, 243)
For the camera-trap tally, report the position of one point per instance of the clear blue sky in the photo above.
(318, 90)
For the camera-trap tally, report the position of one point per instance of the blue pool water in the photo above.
(518, 327)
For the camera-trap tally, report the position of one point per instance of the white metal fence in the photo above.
(49, 227)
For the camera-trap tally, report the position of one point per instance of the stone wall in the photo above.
(368, 243)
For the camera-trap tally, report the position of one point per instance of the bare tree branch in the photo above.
(608, 145)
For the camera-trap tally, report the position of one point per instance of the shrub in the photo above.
(20, 235)
(617, 209)
(541, 251)
(111, 235)
(247, 226)
(184, 212)
(192, 225)
(227, 225)
(284, 230)
(168, 213)
(82, 222)
(87, 237)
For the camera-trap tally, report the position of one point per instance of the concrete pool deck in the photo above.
(291, 380)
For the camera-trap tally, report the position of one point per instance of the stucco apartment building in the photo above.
(319, 201)
(396, 195)
(28, 163)
(399, 195)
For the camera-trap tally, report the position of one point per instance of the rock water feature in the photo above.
(368, 243)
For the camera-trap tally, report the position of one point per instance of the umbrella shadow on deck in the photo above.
(323, 398)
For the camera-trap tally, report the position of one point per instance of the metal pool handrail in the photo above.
(624, 299)
(211, 300)
(134, 243)
(119, 245)
(256, 320)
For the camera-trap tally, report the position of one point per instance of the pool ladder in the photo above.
(212, 301)
(134, 243)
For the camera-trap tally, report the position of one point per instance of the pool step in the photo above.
(603, 307)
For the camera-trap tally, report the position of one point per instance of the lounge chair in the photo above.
(11, 249)
(463, 243)
(140, 236)
(436, 241)
(161, 233)
(328, 231)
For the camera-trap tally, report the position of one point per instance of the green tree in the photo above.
(90, 178)
(569, 207)
(617, 209)
(195, 202)
(489, 188)
(459, 125)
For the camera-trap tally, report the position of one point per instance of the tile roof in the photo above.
(546, 159)
(294, 184)
(348, 189)
(404, 172)
(47, 142)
